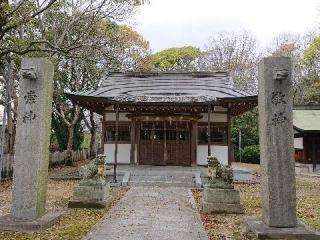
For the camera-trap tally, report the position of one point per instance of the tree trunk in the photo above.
(70, 145)
(9, 83)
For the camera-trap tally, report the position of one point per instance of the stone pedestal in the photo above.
(91, 196)
(8, 223)
(263, 231)
(217, 200)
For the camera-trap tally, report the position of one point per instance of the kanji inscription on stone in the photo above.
(30, 97)
(278, 98)
(278, 118)
(29, 117)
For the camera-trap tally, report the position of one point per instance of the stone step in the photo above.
(162, 173)
(161, 184)
(162, 178)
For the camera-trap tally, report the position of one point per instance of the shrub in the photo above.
(251, 154)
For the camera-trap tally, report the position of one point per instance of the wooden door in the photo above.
(158, 148)
(183, 148)
(165, 144)
(152, 144)
(171, 141)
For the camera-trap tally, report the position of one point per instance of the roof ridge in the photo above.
(193, 73)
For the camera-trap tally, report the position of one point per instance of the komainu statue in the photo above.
(219, 175)
(93, 172)
(93, 191)
(219, 195)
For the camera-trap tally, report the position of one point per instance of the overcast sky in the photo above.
(175, 23)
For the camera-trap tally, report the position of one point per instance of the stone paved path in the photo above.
(152, 213)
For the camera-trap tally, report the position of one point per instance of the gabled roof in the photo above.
(306, 118)
(193, 87)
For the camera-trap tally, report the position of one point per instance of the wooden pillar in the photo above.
(153, 133)
(229, 136)
(103, 132)
(138, 137)
(116, 146)
(304, 149)
(165, 155)
(314, 153)
(194, 141)
(177, 141)
(133, 141)
(209, 131)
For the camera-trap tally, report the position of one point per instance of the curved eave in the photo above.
(303, 131)
(239, 105)
(95, 104)
(236, 105)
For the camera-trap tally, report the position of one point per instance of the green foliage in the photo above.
(312, 51)
(251, 154)
(60, 133)
(86, 140)
(313, 94)
(312, 82)
(176, 59)
(247, 123)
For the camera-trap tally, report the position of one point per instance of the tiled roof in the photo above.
(165, 87)
(307, 119)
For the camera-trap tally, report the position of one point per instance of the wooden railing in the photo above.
(56, 158)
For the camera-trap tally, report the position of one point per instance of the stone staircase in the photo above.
(163, 179)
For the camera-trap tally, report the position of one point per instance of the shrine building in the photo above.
(166, 118)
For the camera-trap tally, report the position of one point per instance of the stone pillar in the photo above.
(32, 139)
(276, 142)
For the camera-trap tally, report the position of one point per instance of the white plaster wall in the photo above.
(220, 152)
(214, 117)
(220, 108)
(112, 117)
(123, 153)
(298, 143)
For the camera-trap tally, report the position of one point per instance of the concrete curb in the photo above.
(125, 179)
(197, 179)
(202, 232)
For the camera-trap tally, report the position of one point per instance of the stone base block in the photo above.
(91, 192)
(8, 223)
(263, 231)
(208, 207)
(90, 203)
(218, 195)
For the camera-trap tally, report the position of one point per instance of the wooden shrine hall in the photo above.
(166, 118)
